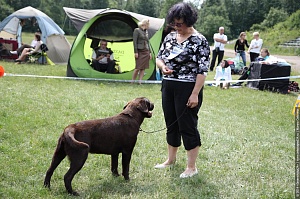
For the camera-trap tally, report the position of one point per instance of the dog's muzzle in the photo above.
(150, 109)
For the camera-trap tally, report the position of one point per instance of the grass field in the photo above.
(247, 136)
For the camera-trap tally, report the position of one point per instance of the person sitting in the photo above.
(31, 50)
(223, 73)
(23, 46)
(264, 58)
(103, 58)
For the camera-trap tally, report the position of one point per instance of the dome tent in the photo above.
(52, 34)
(116, 26)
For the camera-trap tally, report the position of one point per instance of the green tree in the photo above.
(98, 4)
(274, 16)
(6, 10)
(166, 5)
(146, 7)
(130, 5)
(211, 18)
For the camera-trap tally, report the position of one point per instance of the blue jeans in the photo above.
(243, 55)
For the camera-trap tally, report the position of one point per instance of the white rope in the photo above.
(144, 81)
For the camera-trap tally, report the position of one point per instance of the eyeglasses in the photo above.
(176, 24)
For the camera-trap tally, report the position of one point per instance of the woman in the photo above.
(184, 60)
(264, 58)
(141, 49)
(29, 51)
(223, 73)
(239, 47)
(255, 46)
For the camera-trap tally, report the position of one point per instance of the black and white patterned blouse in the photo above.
(186, 59)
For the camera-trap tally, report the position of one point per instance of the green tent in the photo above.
(116, 26)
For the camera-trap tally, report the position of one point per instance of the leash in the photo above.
(186, 108)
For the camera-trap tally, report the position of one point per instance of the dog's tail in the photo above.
(70, 139)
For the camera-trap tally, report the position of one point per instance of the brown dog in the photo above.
(113, 135)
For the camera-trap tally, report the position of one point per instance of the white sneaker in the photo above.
(13, 52)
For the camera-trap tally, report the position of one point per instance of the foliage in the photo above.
(211, 18)
(146, 7)
(282, 32)
(235, 15)
(243, 14)
(274, 16)
(247, 151)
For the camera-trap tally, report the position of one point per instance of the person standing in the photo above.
(220, 39)
(255, 46)
(141, 50)
(239, 47)
(184, 61)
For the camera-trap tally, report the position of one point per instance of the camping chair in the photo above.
(40, 57)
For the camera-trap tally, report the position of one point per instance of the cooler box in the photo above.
(7, 45)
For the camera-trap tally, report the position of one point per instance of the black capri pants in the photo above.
(181, 121)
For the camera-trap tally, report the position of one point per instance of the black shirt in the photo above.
(240, 46)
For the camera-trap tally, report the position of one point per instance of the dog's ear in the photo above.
(143, 106)
(126, 105)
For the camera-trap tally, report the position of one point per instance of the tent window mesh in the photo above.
(114, 30)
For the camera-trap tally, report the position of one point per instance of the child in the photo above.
(223, 73)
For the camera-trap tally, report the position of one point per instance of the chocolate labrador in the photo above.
(111, 136)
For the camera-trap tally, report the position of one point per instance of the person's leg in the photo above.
(134, 75)
(188, 126)
(191, 162)
(243, 55)
(173, 137)
(252, 57)
(23, 54)
(111, 67)
(95, 65)
(255, 55)
(20, 50)
(220, 57)
(213, 60)
(141, 75)
(103, 67)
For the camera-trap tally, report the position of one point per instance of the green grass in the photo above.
(247, 136)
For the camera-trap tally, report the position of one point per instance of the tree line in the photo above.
(234, 15)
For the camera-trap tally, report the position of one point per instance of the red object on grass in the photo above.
(1, 71)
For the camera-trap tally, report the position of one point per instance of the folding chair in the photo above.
(41, 56)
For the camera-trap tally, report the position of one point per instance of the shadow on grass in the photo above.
(166, 184)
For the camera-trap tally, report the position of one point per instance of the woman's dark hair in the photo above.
(37, 36)
(226, 63)
(182, 11)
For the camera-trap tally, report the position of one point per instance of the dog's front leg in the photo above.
(126, 156)
(114, 165)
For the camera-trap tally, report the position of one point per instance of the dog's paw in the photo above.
(116, 174)
(47, 185)
(74, 193)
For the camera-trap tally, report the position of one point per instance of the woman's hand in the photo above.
(192, 101)
(150, 57)
(136, 55)
(166, 71)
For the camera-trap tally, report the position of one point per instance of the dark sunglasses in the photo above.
(176, 24)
